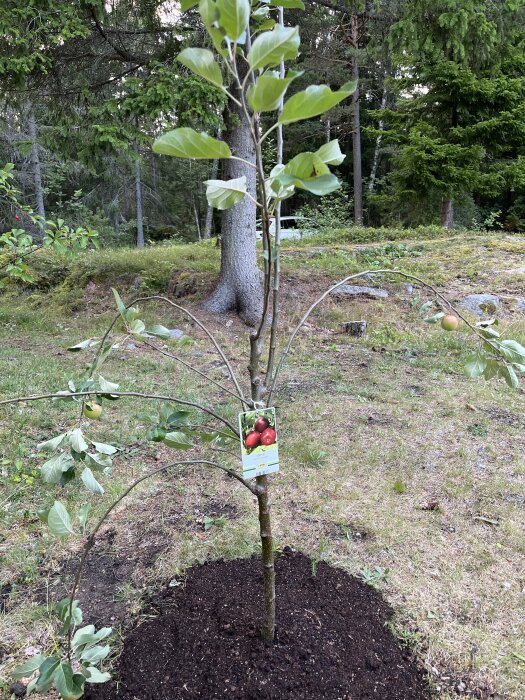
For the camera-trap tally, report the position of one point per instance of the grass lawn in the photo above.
(394, 465)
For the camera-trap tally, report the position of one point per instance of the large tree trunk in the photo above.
(138, 199)
(356, 128)
(35, 165)
(447, 213)
(239, 287)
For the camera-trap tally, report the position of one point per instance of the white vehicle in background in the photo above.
(292, 227)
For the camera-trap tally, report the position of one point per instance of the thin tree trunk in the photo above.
(138, 199)
(209, 211)
(327, 128)
(356, 128)
(239, 287)
(447, 212)
(35, 165)
(379, 138)
(196, 214)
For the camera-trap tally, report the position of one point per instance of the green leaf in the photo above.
(435, 318)
(492, 369)
(106, 386)
(46, 673)
(62, 610)
(325, 184)
(82, 515)
(103, 448)
(77, 441)
(306, 166)
(120, 304)
(201, 62)
(52, 470)
(93, 655)
(90, 482)
(188, 143)
(234, 17)
(186, 5)
(288, 4)
(510, 376)
(330, 153)
(269, 88)
(98, 461)
(270, 48)
(178, 440)
(160, 332)
(475, 365)
(52, 444)
(89, 343)
(137, 327)
(70, 685)
(512, 351)
(224, 194)
(28, 667)
(96, 676)
(315, 100)
(59, 521)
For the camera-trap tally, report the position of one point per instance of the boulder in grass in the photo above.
(481, 304)
(356, 291)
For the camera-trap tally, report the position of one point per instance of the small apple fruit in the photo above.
(92, 410)
(450, 322)
(252, 439)
(268, 437)
(261, 424)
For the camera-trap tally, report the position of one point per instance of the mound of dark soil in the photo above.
(332, 643)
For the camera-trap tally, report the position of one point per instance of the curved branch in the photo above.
(357, 275)
(135, 394)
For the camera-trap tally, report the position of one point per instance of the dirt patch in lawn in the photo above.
(332, 640)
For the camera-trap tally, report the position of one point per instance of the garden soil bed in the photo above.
(203, 642)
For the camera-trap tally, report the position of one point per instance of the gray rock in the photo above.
(480, 304)
(18, 690)
(520, 304)
(353, 290)
(176, 333)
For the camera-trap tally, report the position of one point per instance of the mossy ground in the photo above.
(395, 466)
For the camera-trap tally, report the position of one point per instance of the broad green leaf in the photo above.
(492, 369)
(201, 62)
(120, 304)
(475, 365)
(306, 166)
(98, 461)
(186, 5)
(59, 521)
(70, 685)
(137, 327)
(46, 673)
(178, 440)
(90, 482)
(188, 143)
(512, 351)
(315, 100)
(106, 386)
(288, 4)
(209, 13)
(510, 376)
(489, 332)
(325, 184)
(89, 343)
(270, 48)
(95, 654)
(82, 515)
(103, 448)
(77, 441)
(330, 153)
(435, 318)
(269, 88)
(27, 668)
(52, 444)
(87, 637)
(234, 17)
(160, 332)
(178, 417)
(62, 610)
(224, 194)
(96, 676)
(52, 470)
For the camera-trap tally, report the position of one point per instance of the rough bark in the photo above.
(356, 127)
(239, 287)
(447, 213)
(36, 165)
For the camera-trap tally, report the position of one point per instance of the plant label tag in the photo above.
(259, 448)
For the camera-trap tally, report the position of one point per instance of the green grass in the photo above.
(356, 417)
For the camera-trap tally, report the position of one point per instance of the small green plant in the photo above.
(210, 522)
(318, 556)
(373, 577)
(399, 487)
